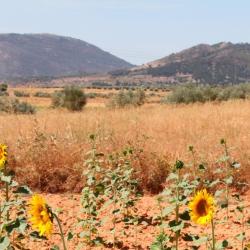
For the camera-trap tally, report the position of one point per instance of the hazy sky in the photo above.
(135, 30)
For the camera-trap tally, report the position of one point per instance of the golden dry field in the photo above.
(47, 151)
(163, 129)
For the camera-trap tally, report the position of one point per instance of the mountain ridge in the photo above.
(35, 55)
(222, 62)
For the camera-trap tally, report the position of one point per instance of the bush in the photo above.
(23, 108)
(72, 98)
(42, 94)
(128, 98)
(3, 89)
(18, 93)
(15, 106)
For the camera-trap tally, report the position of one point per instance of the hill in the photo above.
(219, 63)
(38, 55)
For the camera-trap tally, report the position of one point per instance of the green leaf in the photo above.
(22, 190)
(222, 141)
(188, 237)
(172, 176)
(6, 179)
(235, 165)
(92, 137)
(222, 244)
(70, 236)
(116, 211)
(13, 225)
(241, 236)
(185, 216)
(202, 167)
(4, 243)
(167, 210)
(179, 164)
(37, 236)
(224, 204)
(229, 180)
(218, 171)
(248, 222)
(218, 193)
(199, 241)
(176, 226)
(55, 247)
(213, 183)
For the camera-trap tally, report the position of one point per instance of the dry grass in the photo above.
(50, 145)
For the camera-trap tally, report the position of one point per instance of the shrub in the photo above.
(185, 94)
(15, 106)
(23, 107)
(72, 98)
(42, 94)
(3, 89)
(18, 93)
(128, 98)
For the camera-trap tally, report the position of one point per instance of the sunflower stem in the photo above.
(7, 198)
(228, 164)
(213, 236)
(177, 234)
(61, 231)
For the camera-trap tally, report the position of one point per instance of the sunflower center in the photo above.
(41, 213)
(202, 207)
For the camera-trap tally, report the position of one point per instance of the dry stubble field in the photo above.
(52, 145)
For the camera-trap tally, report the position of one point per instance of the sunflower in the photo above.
(3, 155)
(41, 216)
(202, 207)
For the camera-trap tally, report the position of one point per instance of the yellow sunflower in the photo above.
(41, 217)
(202, 207)
(3, 155)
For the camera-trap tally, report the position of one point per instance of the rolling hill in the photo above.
(220, 63)
(38, 55)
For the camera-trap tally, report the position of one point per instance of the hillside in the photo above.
(219, 63)
(50, 55)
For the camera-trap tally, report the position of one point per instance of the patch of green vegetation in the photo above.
(191, 93)
(128, 98)
(42, 94)
(71, 97)
(10, 105)
(19, 93)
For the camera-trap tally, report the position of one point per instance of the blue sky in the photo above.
(135, 30)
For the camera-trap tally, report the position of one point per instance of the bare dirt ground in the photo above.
(70, 207)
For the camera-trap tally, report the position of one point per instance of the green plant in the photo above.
(240, 213)
(228, 174)
(42, 94)
(190, 93)
(3, 87)
(92, 196)
(128, 98)
(19, 93)
(10, 105)
(176, 196)
(71, 97)
(122, 191)
(13, 226)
